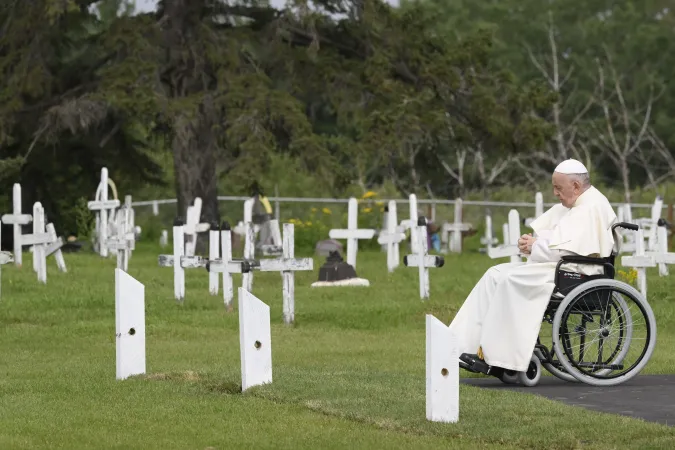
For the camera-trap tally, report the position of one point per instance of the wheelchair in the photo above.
(603, 331)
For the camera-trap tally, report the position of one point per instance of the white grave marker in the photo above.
(193, 226)
(17, 219)
(510, 247)
(455, 229)
(392, 237)
(442, 372)
(255, 340)
(661, 256)
(352, 234)
(422, 260)
(102, 205)
(129, 325)
(639, 261)
(214, 251)
(487, 239)
(164, 239)
(538, 208)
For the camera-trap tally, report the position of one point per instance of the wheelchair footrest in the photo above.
(473, 363)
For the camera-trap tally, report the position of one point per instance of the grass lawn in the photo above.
(349, 374)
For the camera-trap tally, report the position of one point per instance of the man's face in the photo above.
(565, 189)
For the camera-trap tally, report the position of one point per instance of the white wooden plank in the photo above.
(35, 239)
(442, 372)
(351, 234)
(214, 253)
(428, 260)
(103, 205)
(226, 249)
(129, 325)
(288, 275)
(255, 340)
(282, 264)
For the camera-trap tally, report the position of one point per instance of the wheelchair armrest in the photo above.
(578, 259)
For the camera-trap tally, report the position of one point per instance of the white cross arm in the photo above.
(429, 261)
(662, 258)
(351, 234)
(110, 204)
(638, 261)
(236, 266)
(21, 219)
(54, 246)
(36, 239)
(504, 252)
(186, 262)
(285, 264)
(457, 226)
(385, 238)
(118, 244)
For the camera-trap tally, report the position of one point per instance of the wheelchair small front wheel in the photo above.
(509, 377)
(532, 375)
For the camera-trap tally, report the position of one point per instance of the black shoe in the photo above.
(473, 363)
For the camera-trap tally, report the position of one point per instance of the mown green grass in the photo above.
(349, 374)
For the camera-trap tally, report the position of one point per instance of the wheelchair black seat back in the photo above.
(566, 280)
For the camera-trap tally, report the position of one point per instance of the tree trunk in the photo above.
(625, 176)
(195, 157)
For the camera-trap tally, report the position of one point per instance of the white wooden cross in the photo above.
(661, 255)
(538, 208)
(352, 234)
(455, 229)
(17, 219)
(45, 242)
(392, 237)
(287, 264)
(442, 372)
(411, 223)
(422, 260)
(193, 226)
(657, 208)
(102, 205)
(488, 240)
(640, 261)
(510, 247)
(123, 242)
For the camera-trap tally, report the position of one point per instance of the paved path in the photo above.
(648, 397)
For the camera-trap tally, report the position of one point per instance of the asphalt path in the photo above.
(647, 397)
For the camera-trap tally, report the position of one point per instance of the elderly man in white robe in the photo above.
(499, 323)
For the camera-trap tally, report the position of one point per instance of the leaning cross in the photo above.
(422, 260)
(352, 234)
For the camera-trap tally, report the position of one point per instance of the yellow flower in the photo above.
(308, 223)
(369, 194)
(379, 203)
(326, 211)
(367, 210)
(313, 210)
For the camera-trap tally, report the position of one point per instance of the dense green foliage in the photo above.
(437, 98)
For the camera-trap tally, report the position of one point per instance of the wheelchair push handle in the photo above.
(626, 225)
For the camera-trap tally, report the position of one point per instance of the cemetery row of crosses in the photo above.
(116, 233)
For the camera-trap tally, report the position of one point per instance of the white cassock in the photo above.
(503, 313)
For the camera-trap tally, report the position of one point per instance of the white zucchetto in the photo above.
(571, 166)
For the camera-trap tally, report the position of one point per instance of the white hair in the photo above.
(583, 178)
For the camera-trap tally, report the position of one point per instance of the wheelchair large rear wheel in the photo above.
(604, 332)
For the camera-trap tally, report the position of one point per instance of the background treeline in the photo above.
(440, 98)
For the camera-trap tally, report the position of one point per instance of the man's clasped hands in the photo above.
(525, 243)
